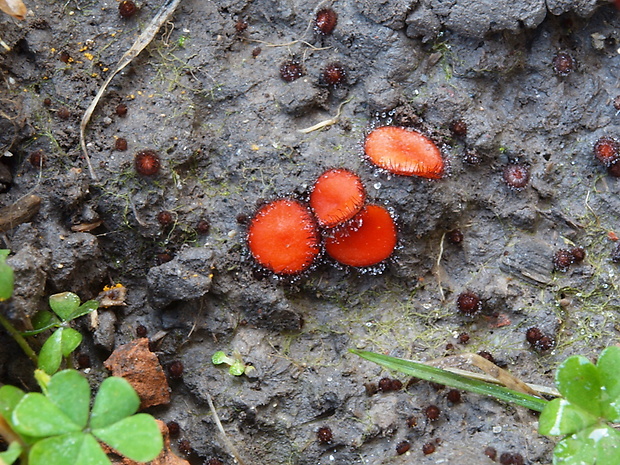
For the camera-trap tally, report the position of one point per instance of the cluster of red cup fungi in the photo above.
(286, 236)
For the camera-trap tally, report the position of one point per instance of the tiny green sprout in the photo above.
(182, 40)
(237, 366)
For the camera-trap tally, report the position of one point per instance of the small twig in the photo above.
(141, 42)
(327, 122)
(232, 450)
(438, 266)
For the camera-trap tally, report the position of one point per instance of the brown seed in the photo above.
(240, 26)
(432, 412)
(127, 8)
(533, 335)
(291, 71)
(544, 343)
(121, 109)
(257, 51)
(203, 227)
(120, 144)
(463, 338)
(165, 218)
(459, 128)
(63, 113)
(147, 162)
(141, 331)
(175, 370)
(47, 102)
(454, 396)
(579, 253)
(428, 448)
(562, 260)
(37, 158)
(487, 355)
(491, 453)
(468, 303)
(64, 57)
(173, 429)
(324, 435)
(402, 447)
(326, 20)
(333, 75)
(563, 64)
(455, 236)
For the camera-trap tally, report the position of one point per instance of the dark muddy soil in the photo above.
(208, 97)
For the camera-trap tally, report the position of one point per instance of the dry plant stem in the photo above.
(232, 450)
(502, 376)
(22, 211)
(141, 42)
(19, 339)
(327, 122)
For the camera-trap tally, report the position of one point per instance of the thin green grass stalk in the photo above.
(19, 339)
(437, 375)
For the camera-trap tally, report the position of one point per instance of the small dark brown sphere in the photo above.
(326, 20)
(127, 8)
(333, 75)
(563, 64)
(37, 158)
(402, 447)
(63, 113)
(165, 218)
(121, 109)
(120, 144)
(579, 253)
(324, 435)
(175, 370)
(385, 384)
(64, 57)
(163, 257)
(83, 361)
(454, 396)
(47, 102)
(256, 51)
(468, 303)
(516, 176)
(487, 355)
(607, 151)
(141, 331)
(544, 343)
(203, 227)
(241, 26)
(432, 412)
(397, 385)
(291, 70)
(491, 453)
(463, 338)
(562, 260)
(533, 335)
(147, 163)
(455, 237)
(185, 447)
(459, 128)
(173, 429)
(508, 458)
(428, 448)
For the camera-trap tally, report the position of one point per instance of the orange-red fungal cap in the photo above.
(404, 151)
(369, 239)
(337, 196)
(283, 237)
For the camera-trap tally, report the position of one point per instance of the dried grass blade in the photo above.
(141, 42)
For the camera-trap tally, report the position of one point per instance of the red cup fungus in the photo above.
(404, 151)
(283, 237)
(368, 239)
(337, 196)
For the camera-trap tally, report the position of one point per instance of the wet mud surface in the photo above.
(208, 97)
